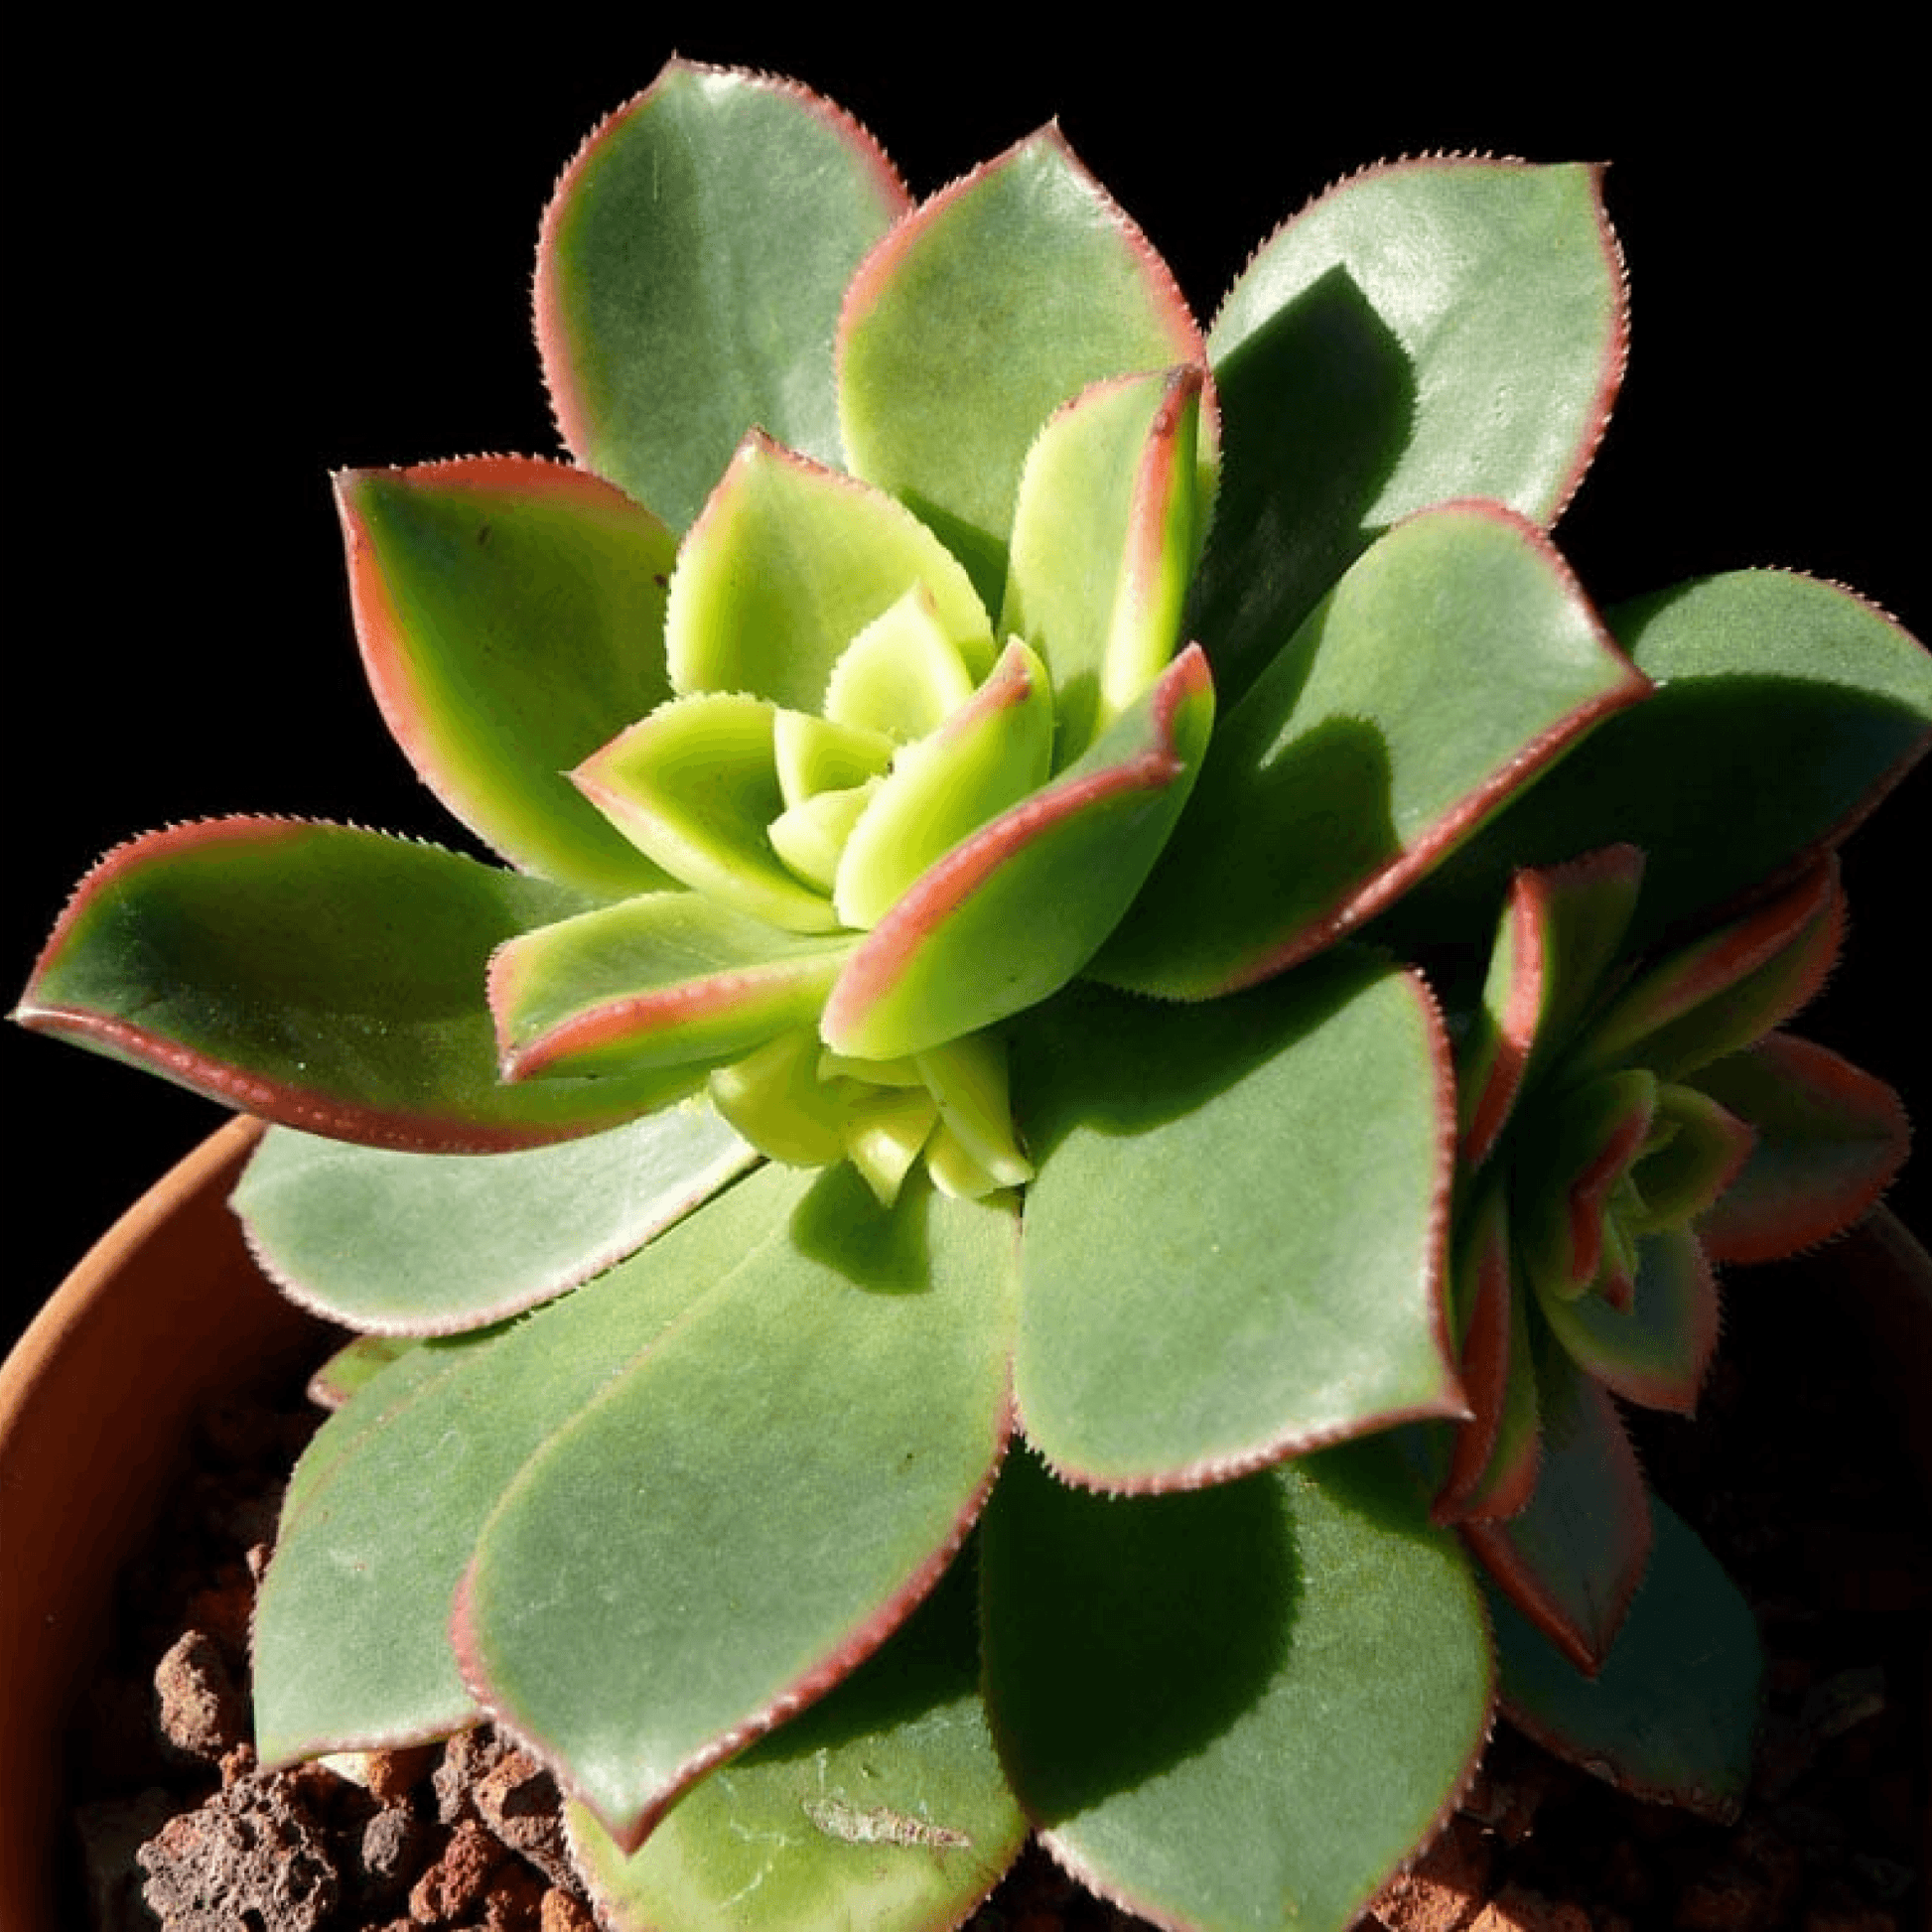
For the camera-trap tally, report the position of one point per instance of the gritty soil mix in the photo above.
(1793, 1474)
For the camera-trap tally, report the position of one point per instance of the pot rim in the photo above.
(98, 1400)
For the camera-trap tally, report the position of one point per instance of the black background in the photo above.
(233, 273)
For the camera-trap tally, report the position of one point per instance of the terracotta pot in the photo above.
(96, 1405)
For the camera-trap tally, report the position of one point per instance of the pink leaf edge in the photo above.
(553, 350)
(886, 954)
(857, 1645)
(1362, 901)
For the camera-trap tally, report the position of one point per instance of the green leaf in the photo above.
(403, 1369)
(1672, 1714)
(788, 564)
(1233, 1244)
(1571, 1155)
(1785, 709)
(1556, 941)
(1017, 908)
(689, 277)
(1572, 1559)
(670, 980)
(1424, 331)
(351, 1640)
(1113, 507)
(994, 751)
(1728, 987)
(1489, 1469)
(1656, 1350)
(1242, 1707)
(1696, 1150)
(696, 785)
(905, 673)
(1454, 662)
(356, 1364)
(318, 975)
(882, 1806)
(378, 1580)
(511, 617)
(1830, 1140)
(747, 1513)
(997, 301)
(432, 1244)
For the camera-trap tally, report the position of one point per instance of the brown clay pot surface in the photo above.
(96, 1404)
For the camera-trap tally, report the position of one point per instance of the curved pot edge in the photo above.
(165, 1308)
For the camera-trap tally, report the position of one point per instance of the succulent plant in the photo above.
(1624, 1128)
(937, 645)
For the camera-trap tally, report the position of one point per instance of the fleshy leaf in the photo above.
(788, 563)
(1558, 938)
(1572, 1559)
(355, 1365)
(1672, 1714)
(1696, 1151)
(404, 1369)
(882, 1806)
(817, 755)
(1425, 330)
(808, 1446)
(1454, 661)
(902, 676)
(1830, 1139)
(1113, 505)
(1015, 911)
(998, 300)
(1573, 1157)
(433, 1244)
(510, 614)
(319, 976)
(993, 751)
(1772, 688)
(1240, 1706)
(696, 785)
(884, 1134)
(776, 1098)
(690, 272)
(1296, 1137)
(1656, 1350)
(968, 1078)
(671, 979)
(810, 837)
(351, 1639)
(1492, 1459)
(1726, 987)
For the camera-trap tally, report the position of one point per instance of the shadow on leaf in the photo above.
(1120, 1065)
(1134, 1630)
(1319, 407)
(841, 1225)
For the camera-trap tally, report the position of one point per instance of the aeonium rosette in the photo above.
(891, 832)
(937, 643)
(1627, 1123)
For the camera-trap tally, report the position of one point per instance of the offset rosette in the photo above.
(1624, 1127)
